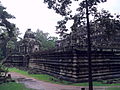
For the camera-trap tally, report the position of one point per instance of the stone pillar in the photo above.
(75, 65)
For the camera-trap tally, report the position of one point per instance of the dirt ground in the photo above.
(41, 85)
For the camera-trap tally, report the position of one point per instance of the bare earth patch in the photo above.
(35, 84)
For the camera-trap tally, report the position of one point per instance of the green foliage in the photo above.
(13, 86)
(107, 22)
(46, 41)
(8, 30)
(3, 73)
(63, 7)
(7, 33)
(60, 6)
(103, 21)
(11, 45)
(3, 70)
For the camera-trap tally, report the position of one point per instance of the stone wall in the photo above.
(72, 65)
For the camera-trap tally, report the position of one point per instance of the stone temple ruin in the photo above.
(68, 60)
(29, 43)
(23, 50)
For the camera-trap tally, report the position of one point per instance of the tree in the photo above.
(104, 21)
(108, 22)
(107, 25)
(7, 29)
(7, 32)
(61, 6)
(48, 42)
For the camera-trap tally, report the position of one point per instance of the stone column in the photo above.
(75, 65)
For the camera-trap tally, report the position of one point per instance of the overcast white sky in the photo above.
(34, 14)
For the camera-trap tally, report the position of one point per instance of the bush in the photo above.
(3, 73)
(3, 70)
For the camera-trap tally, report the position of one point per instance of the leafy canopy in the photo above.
(47, 42)
(8, 30)
(63, 7)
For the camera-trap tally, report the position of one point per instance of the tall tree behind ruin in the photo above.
(7, 29)
(47, 42)
(8, 32)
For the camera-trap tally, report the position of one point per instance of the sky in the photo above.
(112, 5)
(34, 14)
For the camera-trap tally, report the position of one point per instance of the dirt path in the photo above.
(35, 84)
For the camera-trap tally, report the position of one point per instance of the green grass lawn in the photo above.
(13, 86)
(115, 88)
(49, 78)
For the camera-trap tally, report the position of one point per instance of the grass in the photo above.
(43, 77)
(115, 88)
(49, 78)
(13, 86)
